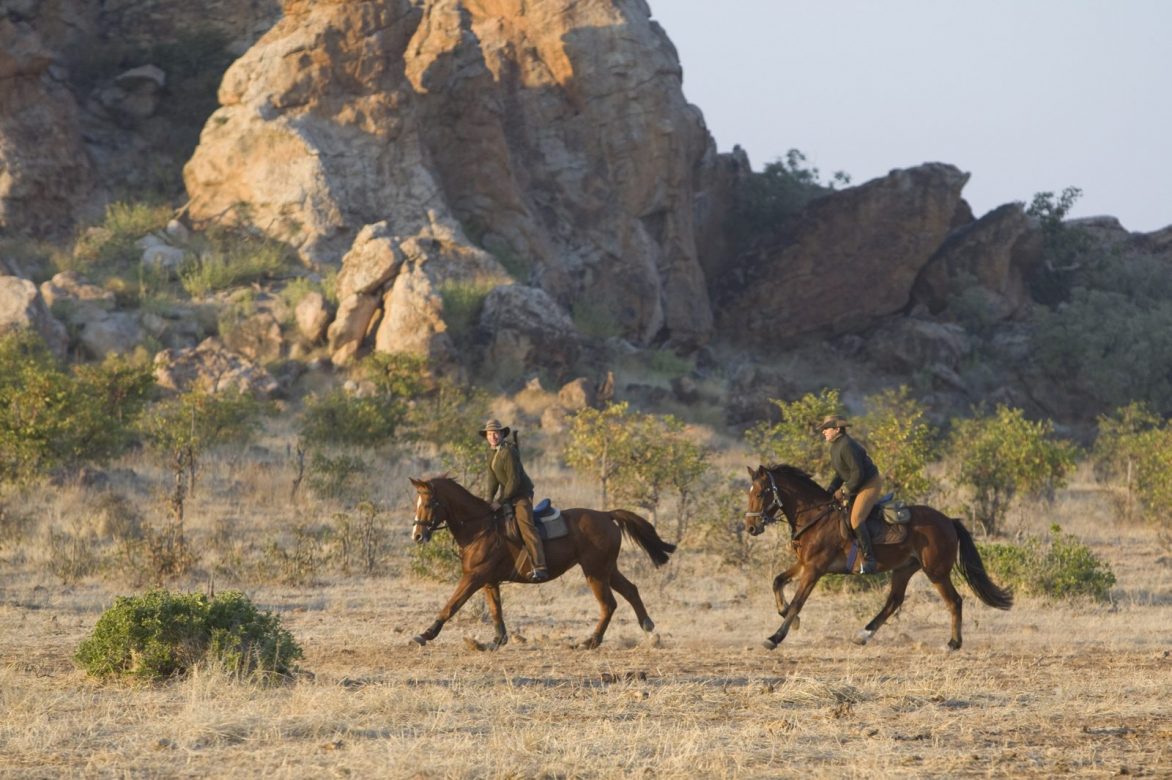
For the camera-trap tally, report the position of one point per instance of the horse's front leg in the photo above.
(492, 595)
(779, 583)
(805, 587)
(467, 585)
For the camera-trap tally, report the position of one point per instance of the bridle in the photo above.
(423, 529)
(768, 513)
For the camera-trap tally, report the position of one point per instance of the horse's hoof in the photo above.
(862, 637)
(500, 642)
(419, 640)
(952, 646)
(769, 644)
(590, 644)
(647, 625)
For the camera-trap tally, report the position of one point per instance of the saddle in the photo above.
(548, 519)
(887, 522)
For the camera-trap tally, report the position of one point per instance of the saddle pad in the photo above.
(552, 526)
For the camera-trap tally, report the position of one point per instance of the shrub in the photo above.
(56, 417)
(463, 303)
(364, 540)
(342, 418)
(1061, 568)
(161, 634)
(794, 439)
(900, 441)
(765, 200)
(231, 259)
(637, 456)
(439, 559)
(110, 248)
(330, 476)
(1001, 455)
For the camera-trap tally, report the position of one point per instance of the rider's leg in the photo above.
(864, 501)
(523, 509)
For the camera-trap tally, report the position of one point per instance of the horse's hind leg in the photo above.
(627, 590)
(606, 601)
(899, 581)
(954, 601)
(492, 595)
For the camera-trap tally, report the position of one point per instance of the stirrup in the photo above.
(868, 566)
(539, 575)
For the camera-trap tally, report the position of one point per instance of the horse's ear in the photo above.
(418, 483)
(752, 474)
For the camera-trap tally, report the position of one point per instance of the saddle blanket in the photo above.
(548, 519)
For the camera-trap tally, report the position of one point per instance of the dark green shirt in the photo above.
(506, 474)
(852, 465)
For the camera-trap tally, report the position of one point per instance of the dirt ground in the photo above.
(1043, 690)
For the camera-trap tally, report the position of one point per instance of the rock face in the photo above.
(848, 260)
(44, 172)
(995, 253)
(22, 308)
(554, 133)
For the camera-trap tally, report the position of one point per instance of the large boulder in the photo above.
(995, 253)
(22, 308)
(514, 119)
(524, 328)
(847, 261)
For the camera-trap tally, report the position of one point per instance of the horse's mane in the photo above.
(796, 475)
(444, 481)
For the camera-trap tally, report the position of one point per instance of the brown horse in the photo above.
(489, 557)
(815, 520)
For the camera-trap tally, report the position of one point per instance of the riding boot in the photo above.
(864, 536)
(523, 509)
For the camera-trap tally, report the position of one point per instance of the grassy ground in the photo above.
(1043, 690)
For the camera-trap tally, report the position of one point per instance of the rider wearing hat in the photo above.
(507, 475)
(856, 480)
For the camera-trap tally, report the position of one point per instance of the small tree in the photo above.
(900, 441)
(1000, 456)
(636, 456)
(1120, 446)
(794, 439)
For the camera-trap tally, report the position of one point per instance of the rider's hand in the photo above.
(843, 495)
(496, 505)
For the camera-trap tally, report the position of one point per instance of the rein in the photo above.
(436, 523)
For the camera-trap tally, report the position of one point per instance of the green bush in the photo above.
(463, 303)
(230, 259)
(344, 419)
(161, 634)
(1001, 455)
(794, 440)
(1062, 567)
(53, 416)
(763, 201)
(900, 440)
(110, 248)
(439, 559)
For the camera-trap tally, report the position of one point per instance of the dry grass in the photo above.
(1043, 690)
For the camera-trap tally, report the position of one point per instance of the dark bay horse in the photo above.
(935, 543)
(489, 557)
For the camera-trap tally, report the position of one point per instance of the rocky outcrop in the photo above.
(847, 260)
(524, 327)
(996, 253)
(45, 175)
(212, 368)
(555, 133)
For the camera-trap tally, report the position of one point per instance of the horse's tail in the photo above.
(972, 568)
(644, 533)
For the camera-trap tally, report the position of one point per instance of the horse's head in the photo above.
(427, 505)
(764, 503)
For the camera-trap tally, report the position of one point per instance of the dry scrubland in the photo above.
(1043, 690)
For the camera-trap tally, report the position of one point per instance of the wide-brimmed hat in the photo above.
(494, 425)
(833, 421)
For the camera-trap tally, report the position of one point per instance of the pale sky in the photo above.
(1025, 95)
